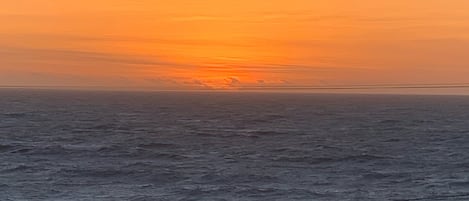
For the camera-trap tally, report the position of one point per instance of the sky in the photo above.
(232, 44)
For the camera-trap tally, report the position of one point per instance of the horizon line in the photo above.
(261, 87)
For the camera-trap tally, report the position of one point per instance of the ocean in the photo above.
(187, 146)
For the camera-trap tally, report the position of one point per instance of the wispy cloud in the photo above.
(79, 55)
(233, 81)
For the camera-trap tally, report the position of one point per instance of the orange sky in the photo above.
(187, 44)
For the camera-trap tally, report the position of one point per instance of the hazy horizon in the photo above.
(357, 91)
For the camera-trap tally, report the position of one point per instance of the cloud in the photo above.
(198, 83)
(79, 55)
(82, 62)
(279, 68)
(161, 80)
(59, 67)
(199, 18)
(233, 82)
(38, 78)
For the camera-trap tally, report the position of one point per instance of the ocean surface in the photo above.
(145, 146)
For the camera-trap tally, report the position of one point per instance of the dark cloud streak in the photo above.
(88, 56)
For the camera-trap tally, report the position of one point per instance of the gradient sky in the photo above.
(187, 44)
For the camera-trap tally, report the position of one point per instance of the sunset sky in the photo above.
(216, 44)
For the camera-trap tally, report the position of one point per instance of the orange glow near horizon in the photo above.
(184, 44)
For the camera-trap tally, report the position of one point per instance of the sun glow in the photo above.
(186, 44)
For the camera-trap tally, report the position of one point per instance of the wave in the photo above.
(319, 160)
(15, 115)
(155, 145)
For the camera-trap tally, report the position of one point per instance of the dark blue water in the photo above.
(57, 145)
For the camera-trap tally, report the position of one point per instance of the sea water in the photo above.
(78, 145)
